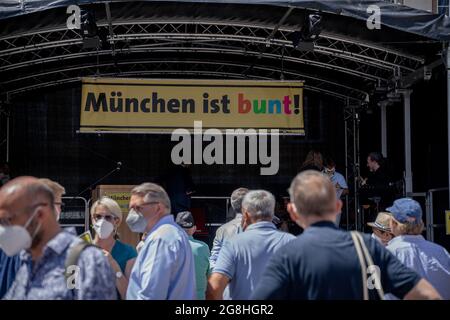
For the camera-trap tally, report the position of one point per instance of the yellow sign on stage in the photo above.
(122, 198)
(447, 222)
(161, 106)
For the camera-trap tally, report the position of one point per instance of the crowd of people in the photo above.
(250, 257)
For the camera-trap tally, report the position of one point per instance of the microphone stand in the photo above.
(119, 165)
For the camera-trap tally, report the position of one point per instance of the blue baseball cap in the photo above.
(406, 210)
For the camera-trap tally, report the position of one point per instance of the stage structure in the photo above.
(330, 45)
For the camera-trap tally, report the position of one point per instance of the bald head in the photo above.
(23, 192)
(313, 194)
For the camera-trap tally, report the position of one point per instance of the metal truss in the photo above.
(55, 49)
(247, 71)
(160, 68)
(352, 164)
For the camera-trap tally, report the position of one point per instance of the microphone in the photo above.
(119, 165)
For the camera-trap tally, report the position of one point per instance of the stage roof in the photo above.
(221, 39)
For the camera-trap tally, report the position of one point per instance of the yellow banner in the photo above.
(155, 106)
(447, 222)
(122, 198)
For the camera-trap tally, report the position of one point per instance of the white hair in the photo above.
(260, 204)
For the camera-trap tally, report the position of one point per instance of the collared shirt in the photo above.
(224, 233)
(244, 257)
(338, 179)
(200, 250)
(428, 259)
(322, 264)
(8, 269)
(45, 279)
(164, 268)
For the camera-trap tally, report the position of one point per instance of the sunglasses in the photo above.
(107, 217)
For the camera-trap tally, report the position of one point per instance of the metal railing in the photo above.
(430, 226)
(430, 212)
(85, 225)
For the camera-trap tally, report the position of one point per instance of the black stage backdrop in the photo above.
(45, 143)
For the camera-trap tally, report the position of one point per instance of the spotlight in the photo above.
(89, 30)
(310, 31)
(312, 27)
(427, 74)
(88, 24)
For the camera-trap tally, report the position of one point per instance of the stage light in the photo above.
(304, 39)
(88, 24)
(89, 30)
(312, 27)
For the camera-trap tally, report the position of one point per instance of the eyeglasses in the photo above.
(138, 208)
(62, 205)
(107, 217)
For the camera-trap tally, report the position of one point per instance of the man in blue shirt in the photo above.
(229, 229)
(323, 263)
(28, 225)
(164, 268)
(8, 269)
(428, 259)
(243, 258)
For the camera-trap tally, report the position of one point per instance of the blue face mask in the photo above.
(136, 221)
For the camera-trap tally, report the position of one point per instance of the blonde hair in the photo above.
(409, 228)
(57, 189)
(110, 205)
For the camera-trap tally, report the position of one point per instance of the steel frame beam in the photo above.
(360, 60)
(273, 72)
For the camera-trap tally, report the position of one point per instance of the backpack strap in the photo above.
(73, 256)
(365, 260)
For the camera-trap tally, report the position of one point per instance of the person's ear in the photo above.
(194, 228)
(338, 206)
(245, 217)
(293, 212)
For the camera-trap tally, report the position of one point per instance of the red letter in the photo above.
(244, 105)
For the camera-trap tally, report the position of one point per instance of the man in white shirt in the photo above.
(428, 259)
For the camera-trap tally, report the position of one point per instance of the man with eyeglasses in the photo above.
(164, 268)
(28, 226)
(58, 191)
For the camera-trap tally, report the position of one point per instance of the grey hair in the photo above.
(260, 204)
(312, 193)
(152, 192)
(236, 199)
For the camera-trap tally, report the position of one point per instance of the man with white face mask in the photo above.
(28, 226)
(164, 268)
(106, 217)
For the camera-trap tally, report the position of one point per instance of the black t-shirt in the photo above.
(322, 263)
